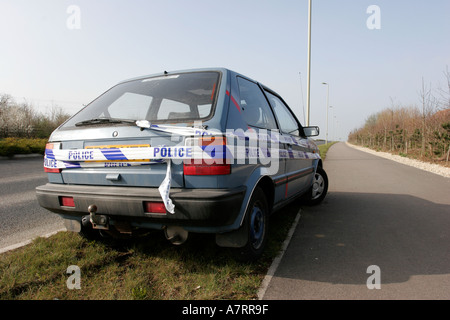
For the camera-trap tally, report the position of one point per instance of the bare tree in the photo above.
(444, 93)
(22, 120)
(425, 97)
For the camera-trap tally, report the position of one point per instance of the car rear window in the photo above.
(170, 98)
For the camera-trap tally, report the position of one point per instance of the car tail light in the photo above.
(194, 168)
(215, 147)
(67, 202)
(154, 207)
(212, 141)
(48, 149)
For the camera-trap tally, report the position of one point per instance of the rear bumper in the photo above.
(196, 210)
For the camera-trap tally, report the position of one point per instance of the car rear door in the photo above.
(299, 165)
(260, 119)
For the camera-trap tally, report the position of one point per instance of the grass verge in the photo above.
(11, 146)
(323, 149)
(147, 267)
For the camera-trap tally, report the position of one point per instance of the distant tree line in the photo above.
(419, 131)
(21, 120)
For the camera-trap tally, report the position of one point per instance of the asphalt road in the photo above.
(377, 213)
(21, 217)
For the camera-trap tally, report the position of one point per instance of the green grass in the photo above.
(148, 267)
(323, 149)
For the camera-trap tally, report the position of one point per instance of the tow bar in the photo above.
(98, 221)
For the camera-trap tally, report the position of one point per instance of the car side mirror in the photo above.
(311, 131)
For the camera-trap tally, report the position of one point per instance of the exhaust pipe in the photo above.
(176, 235)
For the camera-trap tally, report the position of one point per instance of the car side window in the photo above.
(287, 122)
(254, 107)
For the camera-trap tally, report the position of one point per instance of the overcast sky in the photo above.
(66, 53)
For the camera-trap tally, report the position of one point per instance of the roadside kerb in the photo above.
(27, 242)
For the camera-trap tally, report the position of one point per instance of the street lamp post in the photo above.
(334, 128)
(337, 131)
(308, 89)
(328, 96)
(332, 125)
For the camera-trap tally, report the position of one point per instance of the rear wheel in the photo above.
(256, 224)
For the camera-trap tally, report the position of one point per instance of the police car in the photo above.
(201, 151)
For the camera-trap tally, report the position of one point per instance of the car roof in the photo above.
(216, 69)
(167, 73)
(220, 69)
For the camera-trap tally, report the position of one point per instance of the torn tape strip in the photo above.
(164, 189)
(272, 136)
(182, 131)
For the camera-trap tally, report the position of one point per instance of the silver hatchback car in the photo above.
(202, 151)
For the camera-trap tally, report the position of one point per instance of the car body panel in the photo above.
(200, 200)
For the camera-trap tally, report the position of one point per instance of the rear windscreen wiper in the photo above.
(103, 120)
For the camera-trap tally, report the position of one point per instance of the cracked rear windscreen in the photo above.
(183, 97)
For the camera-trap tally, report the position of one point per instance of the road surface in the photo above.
(21, 217)
(382, 223)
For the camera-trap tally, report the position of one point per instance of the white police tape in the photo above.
(108, 157)
(182, 131)
(164, 189)
(264, 135)
(134, 156)
(130, 155)
(139, 155)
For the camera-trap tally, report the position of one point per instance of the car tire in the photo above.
(319, 187)
(256, 224)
